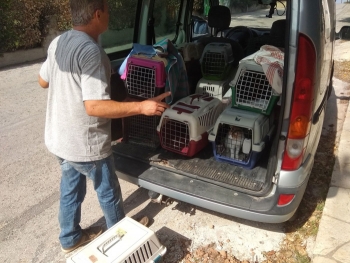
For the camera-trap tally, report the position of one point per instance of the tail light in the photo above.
(301, 112)
(285, 199)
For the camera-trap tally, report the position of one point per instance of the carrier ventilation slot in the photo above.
(207, 119)
(141, 255)
(253, 90)
(208, 90)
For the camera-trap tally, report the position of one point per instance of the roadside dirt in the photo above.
(298, 231)
(342, 70)
(303, 227)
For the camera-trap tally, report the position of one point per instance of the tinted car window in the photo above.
(165, 18)
(119, 35)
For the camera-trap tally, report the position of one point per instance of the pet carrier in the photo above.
(145, 77)
(216, 61)
(184, 127)
(213, 88)
(251, 89)
(126, 242)
(141, 130)
(239, 137)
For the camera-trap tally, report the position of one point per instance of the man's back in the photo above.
(77, 70)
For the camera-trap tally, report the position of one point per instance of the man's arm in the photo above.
(114, 109)
(43, 83)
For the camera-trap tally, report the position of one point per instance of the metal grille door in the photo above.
(174, 135)
(140, 81)
(142, 130)
(214, 64)
(253, 90)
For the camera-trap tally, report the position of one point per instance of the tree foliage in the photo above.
(24, 23)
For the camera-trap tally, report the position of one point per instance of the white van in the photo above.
(250, 70)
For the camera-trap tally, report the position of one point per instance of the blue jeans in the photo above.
(73, 190)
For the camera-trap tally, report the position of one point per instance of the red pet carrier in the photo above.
(184, 127)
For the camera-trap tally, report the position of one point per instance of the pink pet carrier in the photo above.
(145, 77)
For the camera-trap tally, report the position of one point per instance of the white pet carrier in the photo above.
(216, 61)
(213, 88)
(240, 137)
(251, 89)
(184, 127)
(126, 242)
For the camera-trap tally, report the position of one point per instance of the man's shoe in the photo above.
(144, 221)
(87, 235)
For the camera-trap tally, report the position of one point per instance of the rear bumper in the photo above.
(220, 199)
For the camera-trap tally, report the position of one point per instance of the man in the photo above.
(78, 120)
(273, 5)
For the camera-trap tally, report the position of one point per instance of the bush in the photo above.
(24, 23)
(62, 13)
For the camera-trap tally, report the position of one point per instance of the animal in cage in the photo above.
(184, 127)
(251, 90)
(234, 141)
(240, 137)
(145, 77)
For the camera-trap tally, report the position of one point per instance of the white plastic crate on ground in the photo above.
(239, 137)
(126, 242)
(184, 127)
(251, 89)
(216, 61)
(145, 77)
(213, 88)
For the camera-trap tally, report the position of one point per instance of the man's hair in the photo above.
(82, 11)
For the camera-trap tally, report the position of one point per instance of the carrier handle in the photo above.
(110, 243)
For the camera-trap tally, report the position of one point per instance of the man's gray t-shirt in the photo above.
(77, 69)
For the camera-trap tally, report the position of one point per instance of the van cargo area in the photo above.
(202, 166)
(240, 139)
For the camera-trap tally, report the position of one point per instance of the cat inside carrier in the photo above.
(239, 137)
(237, 142)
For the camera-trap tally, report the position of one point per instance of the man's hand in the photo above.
(115, 109)
(43, 83)
(155, 106)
